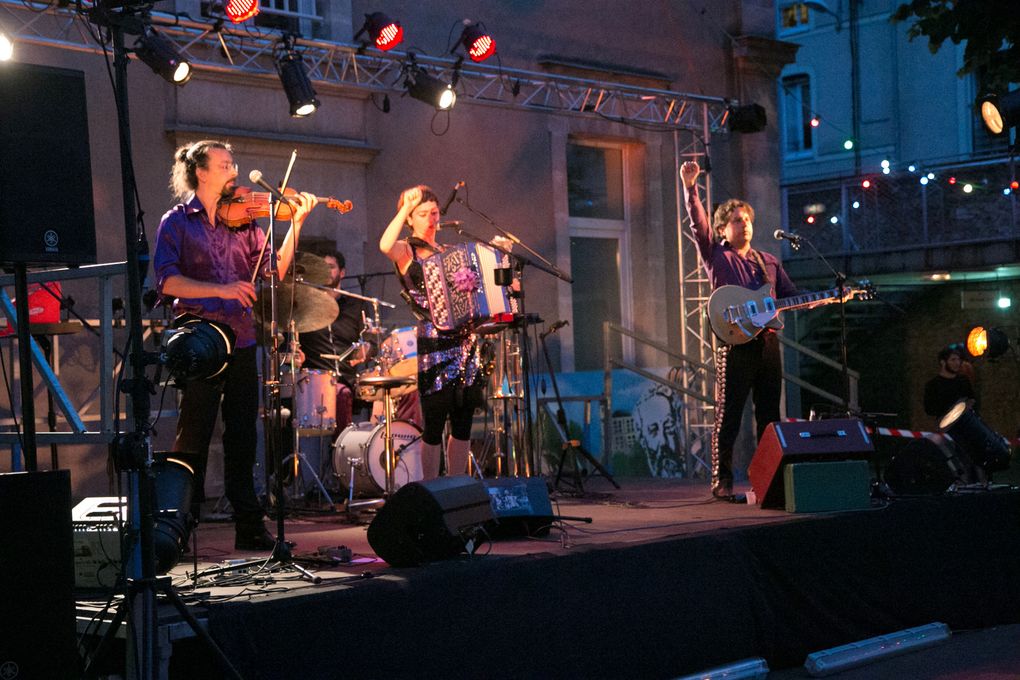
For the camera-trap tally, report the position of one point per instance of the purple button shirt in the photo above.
(724, 265)
(187, 245)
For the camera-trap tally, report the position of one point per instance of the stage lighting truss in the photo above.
(250, 50)
(294, 78)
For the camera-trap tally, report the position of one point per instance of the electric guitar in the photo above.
(738, 314)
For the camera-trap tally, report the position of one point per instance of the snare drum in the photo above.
(314, 400)
(400, 351)
(362, 444)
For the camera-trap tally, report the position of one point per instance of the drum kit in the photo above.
(369, 459)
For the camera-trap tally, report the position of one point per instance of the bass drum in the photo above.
(361, 445)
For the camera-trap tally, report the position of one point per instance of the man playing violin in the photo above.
(209, 269)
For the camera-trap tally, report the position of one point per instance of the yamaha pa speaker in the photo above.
(521, 505)
(427, 521)
(46, 215)
(37, 576)
(803, 442)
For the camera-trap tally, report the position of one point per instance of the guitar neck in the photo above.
(797, 301)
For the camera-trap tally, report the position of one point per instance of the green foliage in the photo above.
(990, 28)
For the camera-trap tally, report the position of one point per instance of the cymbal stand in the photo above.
(505, 396)
(296, 453)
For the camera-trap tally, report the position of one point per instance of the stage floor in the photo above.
(663, 582)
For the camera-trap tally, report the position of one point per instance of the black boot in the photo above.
(252, 536)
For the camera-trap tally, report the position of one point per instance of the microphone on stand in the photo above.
(781, 235)
(449, 199)
(256, 177)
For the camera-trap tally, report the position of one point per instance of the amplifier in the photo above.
(97, 523)
(803, 442)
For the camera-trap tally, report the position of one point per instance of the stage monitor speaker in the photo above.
(428, 521)
(803, 442)
(46, 211)
(37, 576)
(521, 506)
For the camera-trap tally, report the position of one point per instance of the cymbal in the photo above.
(313, 309)
(312, 268)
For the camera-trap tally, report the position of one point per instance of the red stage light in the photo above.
(390, 36)
(478, 43)
(866, 184)
(810, 219)
(1014, 185)
(815, 121)
(952, 180)
(241, 10)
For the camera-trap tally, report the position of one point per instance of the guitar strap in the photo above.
(764, 270)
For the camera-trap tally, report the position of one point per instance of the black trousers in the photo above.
(239, 389)
(754, 367)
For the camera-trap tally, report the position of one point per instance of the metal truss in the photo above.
(216, 47)
(696, 338)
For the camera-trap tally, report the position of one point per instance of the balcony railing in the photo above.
(949, 204)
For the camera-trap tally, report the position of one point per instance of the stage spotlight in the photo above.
(986, 448)
(162, 57)
(987, 342)
(423, 87)
(1000, 113)
(385, 33)
(296, 84)
(196, 349)
(477, 41)
(750, 118)
(241, 10)
(173, 480)
(6, 47)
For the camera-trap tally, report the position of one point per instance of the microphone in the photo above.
(452, 224)
(449, 199)
(256, 177)
(780, 235)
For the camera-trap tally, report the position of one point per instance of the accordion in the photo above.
(460, 283)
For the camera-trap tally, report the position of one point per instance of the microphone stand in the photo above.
(274, 425)
(840, 279)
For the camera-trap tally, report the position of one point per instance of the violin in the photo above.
(246, 205)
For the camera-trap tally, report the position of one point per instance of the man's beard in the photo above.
(228, 190)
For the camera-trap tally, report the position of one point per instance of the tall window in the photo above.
(793, 16)
(598, 246)
(798, 135)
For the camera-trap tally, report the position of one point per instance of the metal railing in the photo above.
(75, 416)
(697, 389)
(932, 206)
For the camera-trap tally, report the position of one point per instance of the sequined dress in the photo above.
(445, 359)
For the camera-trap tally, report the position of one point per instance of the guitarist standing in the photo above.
(756, 365)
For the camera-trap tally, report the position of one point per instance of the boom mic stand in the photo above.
(521, 260)
(274, 439)
(134, 449)
(840, 279)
